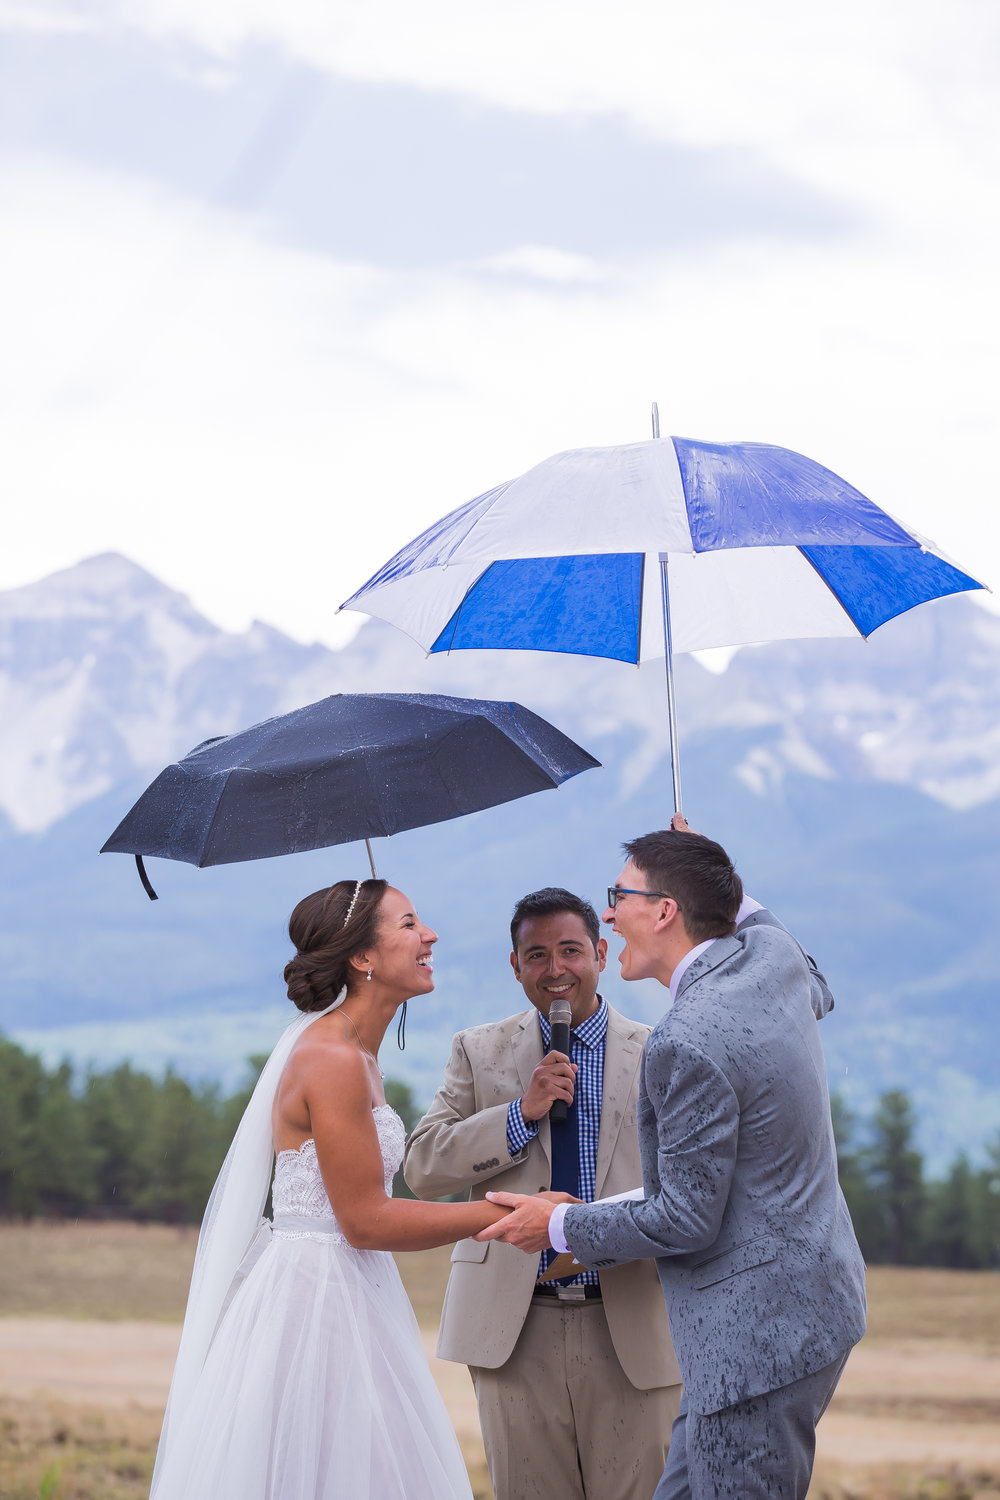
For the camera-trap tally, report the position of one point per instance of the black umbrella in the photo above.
(349, 767)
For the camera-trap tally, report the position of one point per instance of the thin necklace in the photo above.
(361, 1044)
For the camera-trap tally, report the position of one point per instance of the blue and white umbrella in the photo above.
(747, 542)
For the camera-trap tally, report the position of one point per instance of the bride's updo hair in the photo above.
(325, 940)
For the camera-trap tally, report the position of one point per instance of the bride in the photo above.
(301, 1374)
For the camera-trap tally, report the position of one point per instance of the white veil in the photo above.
(233, 1214)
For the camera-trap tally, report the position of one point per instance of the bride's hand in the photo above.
(528, 1226)
(496, 1212)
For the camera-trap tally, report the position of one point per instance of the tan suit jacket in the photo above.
(460, 1146)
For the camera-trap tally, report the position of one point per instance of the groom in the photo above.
(742, 1212)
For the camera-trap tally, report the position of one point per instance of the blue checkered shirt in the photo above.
(586, 1049)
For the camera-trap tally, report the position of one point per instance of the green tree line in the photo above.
(118, 1143)
(902, 1218)
(122, 1143)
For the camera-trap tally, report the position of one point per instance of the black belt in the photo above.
(568, 1293)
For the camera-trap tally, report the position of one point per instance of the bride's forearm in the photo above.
(407, 1224)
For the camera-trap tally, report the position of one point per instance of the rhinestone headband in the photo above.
(354, 902)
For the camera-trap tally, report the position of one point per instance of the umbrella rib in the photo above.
(457, 616)
(498, 493)
(638, 633)
(831, 590)
(200, 864)
(377, 796)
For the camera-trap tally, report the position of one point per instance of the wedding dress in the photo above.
(315, 1385)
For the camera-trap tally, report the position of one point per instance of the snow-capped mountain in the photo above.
(106, 674)
(857, 784)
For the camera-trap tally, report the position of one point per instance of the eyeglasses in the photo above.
(616, 892)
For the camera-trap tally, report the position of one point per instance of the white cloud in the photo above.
(262, 426)
(890, 102)
(543, 263)
(43, 18)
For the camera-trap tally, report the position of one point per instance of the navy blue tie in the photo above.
(565, 1137)
(566, 1152)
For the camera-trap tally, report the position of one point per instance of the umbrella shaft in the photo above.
(675, 760)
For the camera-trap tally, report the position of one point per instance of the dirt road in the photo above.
(916, 1403)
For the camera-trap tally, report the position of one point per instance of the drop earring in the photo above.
(369, 974)
(401, 1029)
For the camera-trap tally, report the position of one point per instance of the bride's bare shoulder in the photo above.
(325, 1054)
(321, 1044)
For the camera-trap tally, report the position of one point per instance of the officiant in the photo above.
(574, 1372)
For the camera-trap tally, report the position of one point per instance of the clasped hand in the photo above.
(527, 1225)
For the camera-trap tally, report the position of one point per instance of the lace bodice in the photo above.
(298, 1187)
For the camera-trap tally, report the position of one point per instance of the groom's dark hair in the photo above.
(698, 873)
(549, 901)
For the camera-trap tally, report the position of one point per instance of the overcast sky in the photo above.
(284, 280)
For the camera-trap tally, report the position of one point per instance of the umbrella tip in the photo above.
(655, 414)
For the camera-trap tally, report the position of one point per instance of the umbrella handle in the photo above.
(371, 859)
(146, 884)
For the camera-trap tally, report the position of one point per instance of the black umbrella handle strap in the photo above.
(147, 887)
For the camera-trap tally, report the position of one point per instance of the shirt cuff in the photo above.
(556, 1237)
(520, 1132)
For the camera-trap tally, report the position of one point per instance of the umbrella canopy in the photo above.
(349, 767)
(763, 544)
(749, 542)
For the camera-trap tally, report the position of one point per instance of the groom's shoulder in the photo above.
(759, 941)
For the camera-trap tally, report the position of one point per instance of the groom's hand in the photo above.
(680, 822)
(527, 1226)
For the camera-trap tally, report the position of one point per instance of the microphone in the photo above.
(560, 1017)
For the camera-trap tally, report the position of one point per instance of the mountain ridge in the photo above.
(105, 670)
(855, 784)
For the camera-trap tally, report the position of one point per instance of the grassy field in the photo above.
(141, 1271)
(80, 1270)
(127, 1271)
(960, 1307)
(51, 1450)
(88, 1316)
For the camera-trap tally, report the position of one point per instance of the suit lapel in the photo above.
(526, 1045)
(721, 950)
(622, 1051)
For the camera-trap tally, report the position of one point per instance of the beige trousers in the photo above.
(562, 1421)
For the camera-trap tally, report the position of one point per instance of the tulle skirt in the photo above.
(316, 1387)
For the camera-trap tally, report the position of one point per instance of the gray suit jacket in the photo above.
(760, 1269)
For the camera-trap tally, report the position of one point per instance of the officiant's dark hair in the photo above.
(327, 928)
(547, 903)
(698, 873)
